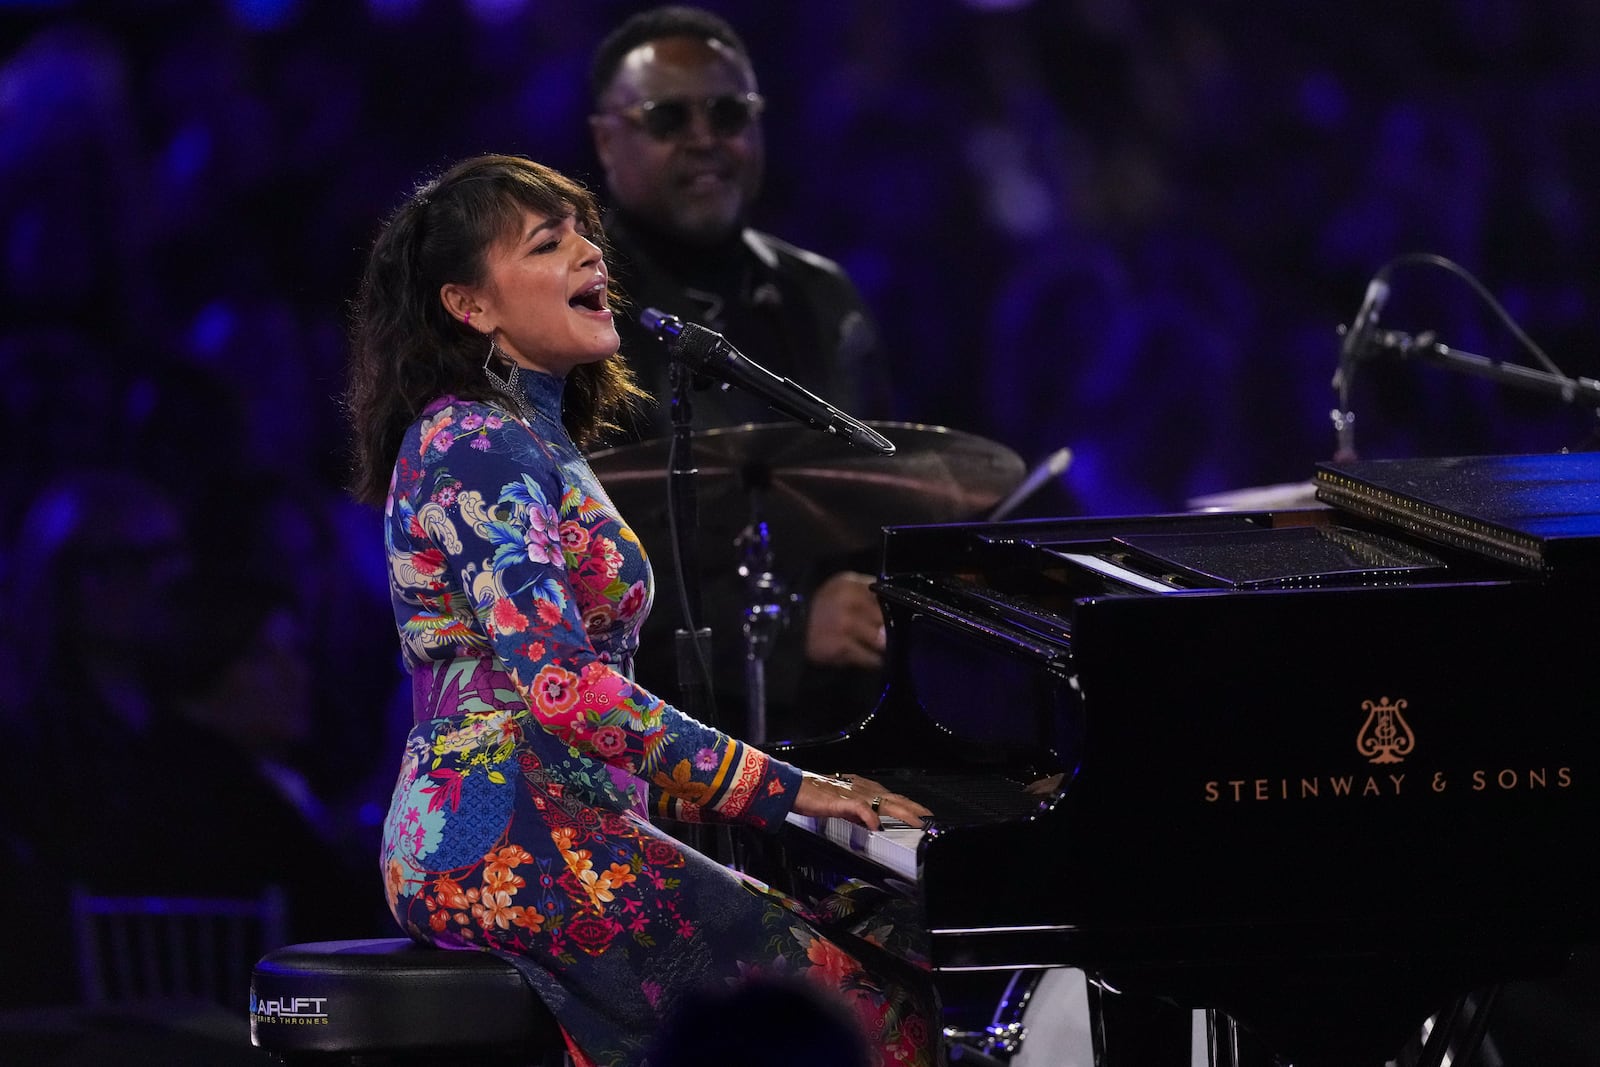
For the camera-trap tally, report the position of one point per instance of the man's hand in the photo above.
(1043, 787)
(844, 627)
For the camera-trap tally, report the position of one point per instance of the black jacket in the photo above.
(801, 317)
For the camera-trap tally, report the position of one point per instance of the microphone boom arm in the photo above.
(1424, 347)
(709, 353)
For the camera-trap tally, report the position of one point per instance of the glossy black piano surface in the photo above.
(1345, 753)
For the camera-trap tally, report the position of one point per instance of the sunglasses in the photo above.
(727, 116)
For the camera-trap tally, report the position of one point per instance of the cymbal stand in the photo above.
(765, 613)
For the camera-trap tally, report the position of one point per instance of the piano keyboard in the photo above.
(963, 799)
(894, 846)
(954, 799)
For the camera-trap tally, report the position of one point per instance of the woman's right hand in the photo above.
(861, 800)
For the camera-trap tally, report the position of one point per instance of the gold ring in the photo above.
(875, 802)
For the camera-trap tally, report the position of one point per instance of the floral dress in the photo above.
(520, 819)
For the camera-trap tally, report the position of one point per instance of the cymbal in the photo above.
(817, 493)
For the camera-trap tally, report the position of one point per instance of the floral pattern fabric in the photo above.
(520, 819)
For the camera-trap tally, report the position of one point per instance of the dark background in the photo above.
(1130, 228)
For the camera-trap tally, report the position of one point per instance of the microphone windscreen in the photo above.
(695, 344)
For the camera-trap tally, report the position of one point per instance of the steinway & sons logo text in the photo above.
(1385, 739)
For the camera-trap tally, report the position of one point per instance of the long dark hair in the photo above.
(406, 350)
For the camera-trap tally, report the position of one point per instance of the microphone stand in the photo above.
(1424, 347)
(695, 348)
(693, 640)
(696, 696)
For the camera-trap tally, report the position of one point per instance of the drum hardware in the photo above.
(813, 490)
(766, 613)
(1052, 466)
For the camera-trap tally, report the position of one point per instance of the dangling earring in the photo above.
(510, 385)
(507, 384)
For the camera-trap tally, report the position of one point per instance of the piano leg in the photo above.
(1222, 1039)
(1130, 1030)
(1227, 1044)
(1457, 1035)
(1058, 1018)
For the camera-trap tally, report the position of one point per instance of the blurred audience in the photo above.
(154, 718)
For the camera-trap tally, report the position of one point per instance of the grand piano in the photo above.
(1326, 770)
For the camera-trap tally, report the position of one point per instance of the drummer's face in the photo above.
(696, 181)
(544, 297)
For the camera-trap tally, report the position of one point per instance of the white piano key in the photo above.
(894, 846)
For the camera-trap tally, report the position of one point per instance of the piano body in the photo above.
(1323, 769)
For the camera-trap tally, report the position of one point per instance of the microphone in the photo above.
(709, 353)
(1357, 339)
(1358, 336)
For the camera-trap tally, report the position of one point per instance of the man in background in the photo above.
(676, 125)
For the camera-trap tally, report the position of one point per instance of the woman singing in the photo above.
(484, 360)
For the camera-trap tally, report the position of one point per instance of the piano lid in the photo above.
(1541, 512)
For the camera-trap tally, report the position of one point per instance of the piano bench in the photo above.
(393, 1001)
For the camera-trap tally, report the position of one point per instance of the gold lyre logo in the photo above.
(1385, 737)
